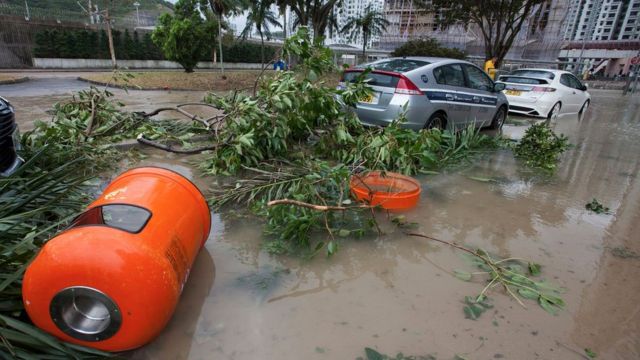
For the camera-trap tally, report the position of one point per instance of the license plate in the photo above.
(513, 92)
(373, 98)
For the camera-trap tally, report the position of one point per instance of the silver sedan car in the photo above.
(432, 92)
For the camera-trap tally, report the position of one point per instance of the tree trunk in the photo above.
(110, 37)
(364, 47)
(220, 43)
(262, 48)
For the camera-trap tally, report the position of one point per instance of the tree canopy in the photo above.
(499, 21)
(186, 36)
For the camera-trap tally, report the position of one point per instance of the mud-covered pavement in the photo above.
(398, 294)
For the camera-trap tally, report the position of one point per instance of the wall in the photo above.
(48, 63)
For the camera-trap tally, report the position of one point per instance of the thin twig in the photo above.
(315, 206)
(142, 140)
(93, 116)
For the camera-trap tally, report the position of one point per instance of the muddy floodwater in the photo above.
(397, 294)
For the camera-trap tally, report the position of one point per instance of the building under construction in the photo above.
(541, 36)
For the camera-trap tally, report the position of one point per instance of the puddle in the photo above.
(397, 294)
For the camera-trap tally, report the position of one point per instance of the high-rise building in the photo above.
(603, 20)
(353, 9)
(602, 36)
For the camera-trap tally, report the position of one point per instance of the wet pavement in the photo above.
(33, 99)
(397, 294)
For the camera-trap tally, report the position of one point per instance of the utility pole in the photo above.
(137, 5)
(107, 20)
(26, 6)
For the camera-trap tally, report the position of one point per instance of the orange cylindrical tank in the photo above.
(112, 280)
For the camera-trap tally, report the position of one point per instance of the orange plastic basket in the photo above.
(391, 191)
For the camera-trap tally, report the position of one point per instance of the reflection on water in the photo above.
(396, 293)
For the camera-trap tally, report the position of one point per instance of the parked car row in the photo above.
(453, 94)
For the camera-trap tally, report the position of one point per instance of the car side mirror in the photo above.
(584, 87)
(497, 87)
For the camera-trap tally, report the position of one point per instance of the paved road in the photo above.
(43, 86)
(34, 98)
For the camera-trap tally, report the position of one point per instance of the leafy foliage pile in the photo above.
(597, 207)
(48, 190)
(541, 148)
(427, 47)
(297, 117)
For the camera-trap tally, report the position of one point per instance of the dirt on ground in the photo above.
(398, 294)
(10, 78)
(201, 80)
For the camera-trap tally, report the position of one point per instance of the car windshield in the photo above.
(398, 65)
(523, 80)
(534, 73)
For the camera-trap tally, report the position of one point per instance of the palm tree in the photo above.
(316, 13)
(261, 18)
(369, 24)
(223, 8)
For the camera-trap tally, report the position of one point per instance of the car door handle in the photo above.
(574, 93)
(449, 96)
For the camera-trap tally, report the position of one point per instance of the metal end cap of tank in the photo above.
(85, 313)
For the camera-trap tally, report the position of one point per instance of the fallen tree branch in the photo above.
(142, 140)
(315, 206)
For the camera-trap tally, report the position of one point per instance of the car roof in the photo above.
(553, 71)
(430, 59)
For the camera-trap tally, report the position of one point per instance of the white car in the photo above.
(545, 93)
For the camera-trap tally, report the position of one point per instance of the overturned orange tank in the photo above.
(112, 280)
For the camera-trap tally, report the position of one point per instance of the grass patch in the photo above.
(178, 80)
(10, 77)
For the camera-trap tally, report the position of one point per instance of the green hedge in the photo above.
(89, 44)
(427, 47)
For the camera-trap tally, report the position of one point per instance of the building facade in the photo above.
(602, 36)
(603, 20)
(353, 9)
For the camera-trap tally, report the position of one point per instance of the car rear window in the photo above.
(373, 79)
(399, 65)
(534, 73)
(523, 80)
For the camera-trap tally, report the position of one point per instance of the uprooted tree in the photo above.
(499, 21)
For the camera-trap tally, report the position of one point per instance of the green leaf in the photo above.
(332, 248)
(590, 353)
(344, 233)
(372, 354)
(534, 269)
(473, 311)
(481, 179)
(547, 306)
(528, 294)
(462, 275)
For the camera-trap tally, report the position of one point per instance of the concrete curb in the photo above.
(100, 83)
(14, 81)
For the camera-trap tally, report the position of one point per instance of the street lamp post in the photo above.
(137, 5)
